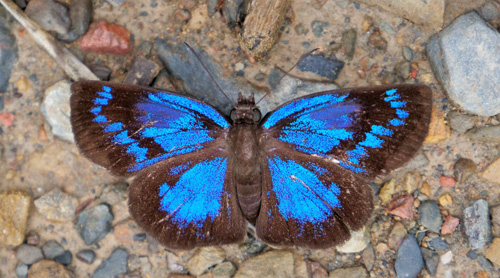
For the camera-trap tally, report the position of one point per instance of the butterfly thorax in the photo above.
(245, 156)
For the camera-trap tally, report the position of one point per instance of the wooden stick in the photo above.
(71, 65)
(261, 28)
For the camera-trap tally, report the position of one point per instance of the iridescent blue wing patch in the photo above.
(368, 131)
(129, 128)
(308, 201)
(189, 201)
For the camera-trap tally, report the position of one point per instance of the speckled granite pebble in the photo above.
(477, 224)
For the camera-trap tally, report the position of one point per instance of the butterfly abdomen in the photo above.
(247, 173)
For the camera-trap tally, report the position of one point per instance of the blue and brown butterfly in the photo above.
(300, 175)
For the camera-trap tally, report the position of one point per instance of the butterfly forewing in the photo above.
(369, 131)
(189, 201)
(128, 128)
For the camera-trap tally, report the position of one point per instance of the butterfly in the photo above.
(300, 175)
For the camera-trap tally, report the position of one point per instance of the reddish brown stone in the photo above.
(106, 38)
(449, 225)
(402, 206)
(447, 182)
(6, 119)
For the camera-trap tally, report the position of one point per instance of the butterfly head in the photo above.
(245, 112)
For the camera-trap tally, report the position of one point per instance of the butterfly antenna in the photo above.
(288, 71)
(207, 71)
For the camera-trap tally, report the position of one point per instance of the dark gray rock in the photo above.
(430, 215)
(52, 249)
(114, 265)
(485, 263)
(322, 66)
(8, 50)
(80, 13)
(86, 256)
(431, 260)
(465, 59)
(28, 254)
(143, 72)
(438, 244)
(51, 15)
(65, 258)
(21, 270)
(477, 224)
(409, 260)
(94, 224)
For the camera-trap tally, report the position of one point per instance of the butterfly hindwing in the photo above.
(189, 201)
(369, 131)
(307, 201)
(128, 128)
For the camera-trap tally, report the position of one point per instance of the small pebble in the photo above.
(460, 122)
(315, 270)
(14, 210)
(407, 53)
(430, 215)
(492, 171)
(438, 244)
(463, 169)
(409, 261)
(397, 235)
(488, 11)
(65, 258)
(140, 237)
(318, 27)
(349, 42)
(52, 249)
(114, 265)
(485, 263)
(50, 15)
(28, 254)
(322, 66)
(56, 110)
(106, 38)
(32, 238)
(21, 270)
(46, 268)
(205, 258)
(495, 220)
(449, 225)
(447, 182)
(143, 72)
(80, 13)
(277, 263)
(57, 205)
(446, 257)
(94, 224)
(477, 224)
(445, 200)
(431, 260)
(402, 206)
(493, 252)
(224, 269)
(377, 41)
(86, 256)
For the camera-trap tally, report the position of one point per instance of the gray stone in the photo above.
(430, 215)
(466, 60)
(114, 265)
(86, 256)
(28, 254)
(57, 205)
(349, 42)
(488, 11)
(409, 260)
(487, 134)
(358, 272)
(318, 27)
(94, 224)
(460, 122)
(65, 258)
(205, 258)
(425, 12)
(80, 13)
(277, 264)
(56, 110)
(477, 224)
(438, 244)
(407, 53)
(51, 15)
(21, 270)
(52, 249)
(431, 259)
(8, 52)
(322, 66)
